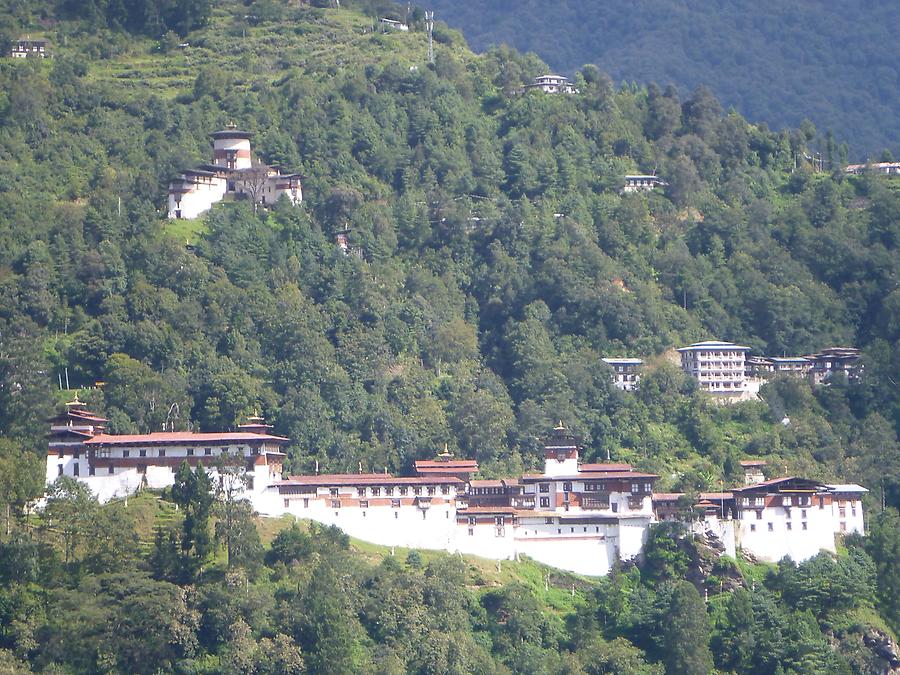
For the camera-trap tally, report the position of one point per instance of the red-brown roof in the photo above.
(472, 510)
(608, 475)
(752, 462)
(609, 466)
(345, 479)
(777, 481)
(169, 437)
(446, 466)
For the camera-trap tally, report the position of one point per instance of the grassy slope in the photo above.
(558, 591)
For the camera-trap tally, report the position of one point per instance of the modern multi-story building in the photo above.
(719, 368)
(625, 372)
(231, 174)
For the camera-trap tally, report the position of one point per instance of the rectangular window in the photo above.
(785, 501)
(771, 526)
(287, 503)
(759, 515)
(361, 491)
(803, 526)
(333, 492)
(403, 491)
(821, 502)
(126, 453)
(544, 487)
(760, 501)
(545, 502)
(75, 469)
(417, 490)
(395, 503)
(634, 488)
(843, 526)
(364, 503)
(335, 503)
(76, 454)
(445, 489)
(190, 452)
(852, 510)
(753, 527)
(162, 452)
(376, 491)
(306, 502)
(389, 491)
(567, 487)
(111, 469)
(430, 490)
(615, 507)
(789, 526)
(60, 467)
(548, 521)
(803, 514)
(648, 487)
(842, 512)
(91, 470)
(142, 453)
(207, 451)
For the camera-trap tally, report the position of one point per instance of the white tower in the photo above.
(231, 148)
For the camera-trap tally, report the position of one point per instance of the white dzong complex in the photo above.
(231, 174)
(574, 516)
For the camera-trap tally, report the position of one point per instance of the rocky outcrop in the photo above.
(885, 650)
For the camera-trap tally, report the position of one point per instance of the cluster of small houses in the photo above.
(573, 515)
(727, 372)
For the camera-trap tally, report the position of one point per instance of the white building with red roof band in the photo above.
(116, 465)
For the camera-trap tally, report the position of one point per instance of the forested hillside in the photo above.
(498, 262)
(834, 63)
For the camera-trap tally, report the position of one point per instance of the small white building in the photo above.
(391, 24)
(232, 174)
(552, 84)
(719, 368)
(887, 168)
(625, 372)
(26, 48)
(642, 183)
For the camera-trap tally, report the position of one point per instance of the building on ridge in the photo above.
(887, 168)
(552, 84)
(233, 174)
(625, 372)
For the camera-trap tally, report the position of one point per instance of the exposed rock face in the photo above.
(886, 651)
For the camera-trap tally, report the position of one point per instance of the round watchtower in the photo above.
(231, 148)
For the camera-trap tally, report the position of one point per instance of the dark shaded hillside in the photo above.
(779, 62)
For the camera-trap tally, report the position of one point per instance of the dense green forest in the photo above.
(834, 63)
(498, 262)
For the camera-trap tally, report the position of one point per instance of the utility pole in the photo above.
(429, 24)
